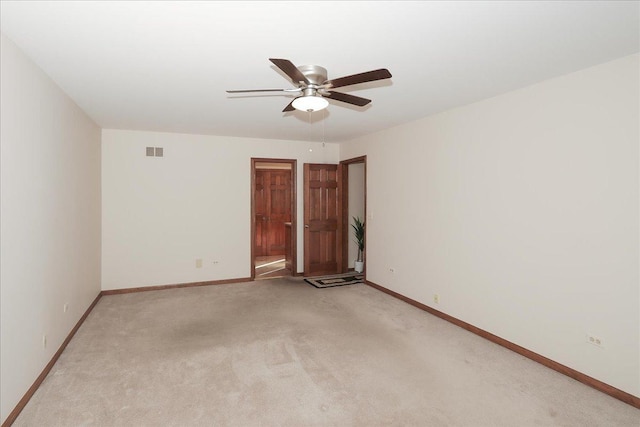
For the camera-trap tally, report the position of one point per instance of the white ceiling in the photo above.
(165, 66)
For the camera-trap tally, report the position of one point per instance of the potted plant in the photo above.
(358, 232)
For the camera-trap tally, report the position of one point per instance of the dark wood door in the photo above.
(272, 209)
(322, 220)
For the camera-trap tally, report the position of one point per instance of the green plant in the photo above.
(358, 232)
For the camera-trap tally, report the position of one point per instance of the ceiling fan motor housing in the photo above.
(314, 73)
(309, 91)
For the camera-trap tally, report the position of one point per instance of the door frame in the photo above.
(294, 227)
(346, 223)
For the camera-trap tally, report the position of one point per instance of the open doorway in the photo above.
(273, 218)
(354, 202)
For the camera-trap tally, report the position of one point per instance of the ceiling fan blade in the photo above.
(349, 99)
(368, 76)
(289, 107)
(257, 90)
(290, 70)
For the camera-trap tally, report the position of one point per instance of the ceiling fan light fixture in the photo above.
(310, 103)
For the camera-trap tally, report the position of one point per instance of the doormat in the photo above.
(335, 280)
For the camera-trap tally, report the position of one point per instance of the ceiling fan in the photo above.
(313, 86)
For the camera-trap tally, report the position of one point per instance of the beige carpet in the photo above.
(282, 353)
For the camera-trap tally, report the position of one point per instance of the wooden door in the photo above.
(272, 209)
(260, 219)
(322, 220)
(279, 209)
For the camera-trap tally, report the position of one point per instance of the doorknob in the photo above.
(306, 226)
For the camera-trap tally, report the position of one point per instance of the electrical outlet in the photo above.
(392, 270)
(199, 263)
(436, 298)
(216, 262)
(592, 339)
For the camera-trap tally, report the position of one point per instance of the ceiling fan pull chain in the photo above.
(324, 113)
(310, 134)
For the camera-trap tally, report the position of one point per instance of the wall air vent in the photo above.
(155, 152)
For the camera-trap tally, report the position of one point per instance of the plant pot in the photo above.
(359, 267)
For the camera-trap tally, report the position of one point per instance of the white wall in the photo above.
(356, 206)
(50, 220)
(521, 212)
(161, 214)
